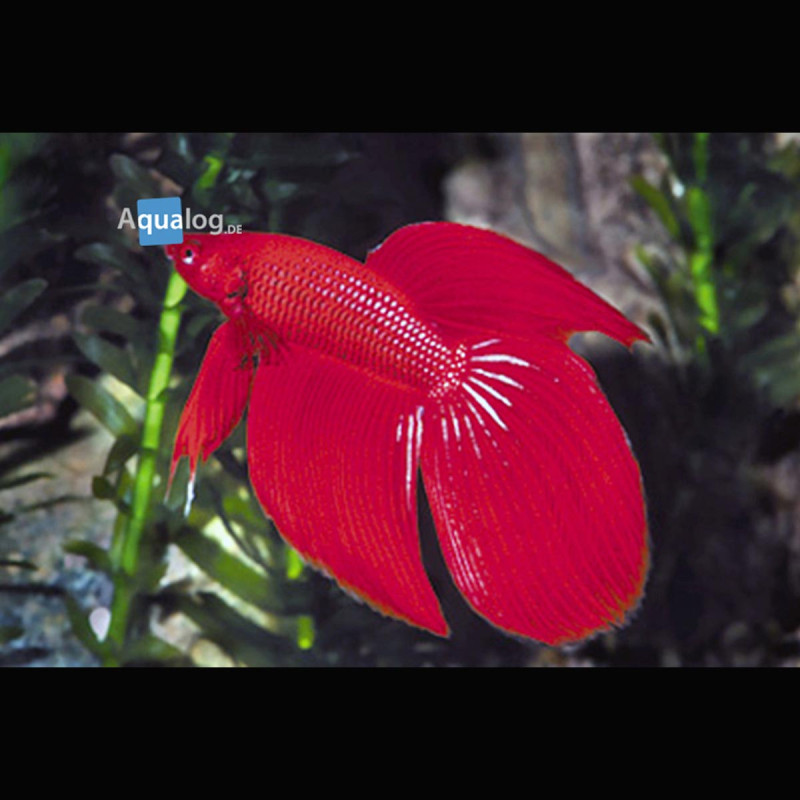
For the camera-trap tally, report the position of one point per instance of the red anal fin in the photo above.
(535, 493)
(218, 397)
(333, 455)
(471, 280)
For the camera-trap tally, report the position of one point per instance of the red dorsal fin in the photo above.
(471, 280)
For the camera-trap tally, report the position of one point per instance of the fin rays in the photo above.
(333, 456)
(538, 504)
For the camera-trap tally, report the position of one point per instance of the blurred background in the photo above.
(694, 236)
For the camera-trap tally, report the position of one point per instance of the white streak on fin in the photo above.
(454, 420)
(504, 358)
(486, 405)
(410, 459)
(491, 391)
(498, 377)
(485, 344)
(189, 495)
(468, 425)
(413, 447)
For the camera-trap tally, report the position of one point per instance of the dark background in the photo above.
(710, 407)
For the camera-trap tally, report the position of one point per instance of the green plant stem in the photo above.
(701, 257)
(153, 419)
(126, 552)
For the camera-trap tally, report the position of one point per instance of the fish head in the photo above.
(208, 263)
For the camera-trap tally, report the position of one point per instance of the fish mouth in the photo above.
(172, 251)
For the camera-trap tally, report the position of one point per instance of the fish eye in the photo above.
(189, 251)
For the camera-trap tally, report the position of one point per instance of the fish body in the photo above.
(299, 292)
(445, 352)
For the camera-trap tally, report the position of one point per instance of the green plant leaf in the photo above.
(780, 383)
(749, 316)
(16, 393)
(83, 629)
(659, 202)
(778, 353)
(150, 648)
(10, 632)
(19, 480)
(116, 257)
(242, 639)
(123, 448)
(241, 580)
(305, 632)
(107, 409)
(18, 564)
(204, 184)
(17, 299)
(114, 360)
(102, 488)
(110, 320)
(241, 509)
(135, 181)
(94, 554)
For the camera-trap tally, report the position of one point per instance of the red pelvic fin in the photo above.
(217, 399)
(333, 455)
(536, 496)
(472, 280)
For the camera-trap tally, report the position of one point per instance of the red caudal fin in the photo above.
(333, 458)
(468, 280)
(217, 399)
(535, 494)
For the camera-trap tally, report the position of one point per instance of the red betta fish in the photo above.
(446, 352)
